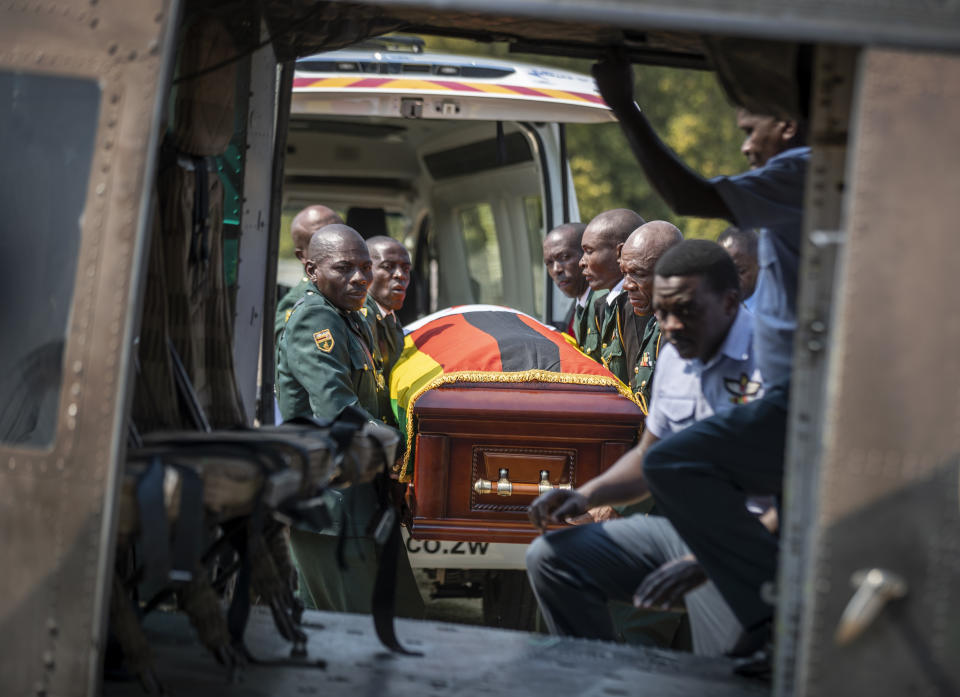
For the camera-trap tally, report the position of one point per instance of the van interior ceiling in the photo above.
(763, 75)
(371, 168)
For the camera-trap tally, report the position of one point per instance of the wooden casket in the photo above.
(485, 451)
(496, 408)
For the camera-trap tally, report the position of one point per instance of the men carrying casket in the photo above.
(388, 289)
(601, 241)
(302, 227)
(561, 257)
(325, 364)
(633, 356)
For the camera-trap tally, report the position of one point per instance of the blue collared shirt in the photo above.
(770, 198)
(688, 390)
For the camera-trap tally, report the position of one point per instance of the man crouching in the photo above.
(707, 367)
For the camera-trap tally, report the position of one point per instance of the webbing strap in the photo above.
(154, 528)
(188, 527)
(239, 610)
(387, 535)
(385, 590)
(200, 237)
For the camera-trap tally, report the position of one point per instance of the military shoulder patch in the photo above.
(286, 317)
(324, 340)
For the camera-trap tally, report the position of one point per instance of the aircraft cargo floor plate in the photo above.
(456, 660)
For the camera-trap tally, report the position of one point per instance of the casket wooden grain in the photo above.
(471, 431)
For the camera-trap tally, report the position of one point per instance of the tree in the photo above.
(686, 107)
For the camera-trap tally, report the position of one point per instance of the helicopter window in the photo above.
(48, 127)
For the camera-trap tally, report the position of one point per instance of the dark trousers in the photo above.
(700, 479)
(577, 572)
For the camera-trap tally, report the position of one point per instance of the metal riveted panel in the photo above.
(934, 23)
(888, 485)
(835, 68)
(57, 499)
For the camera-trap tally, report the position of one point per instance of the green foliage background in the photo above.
(686, 107)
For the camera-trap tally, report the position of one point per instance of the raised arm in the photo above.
(685, 191)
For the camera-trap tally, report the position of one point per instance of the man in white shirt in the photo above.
(706, 368)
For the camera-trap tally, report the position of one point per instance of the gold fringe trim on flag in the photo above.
(494, 377)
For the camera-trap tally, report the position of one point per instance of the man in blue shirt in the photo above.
(701, 478)
(706, 367)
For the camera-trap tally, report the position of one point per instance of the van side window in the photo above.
(48, 126)
(483, 253)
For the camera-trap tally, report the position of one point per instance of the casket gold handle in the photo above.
(504, 487)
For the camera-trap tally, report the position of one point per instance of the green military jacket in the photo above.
(641, 381)
(612, 351)
(324, 363)
(285, 305)
(387, 332)
(387, 339)
(587, 326)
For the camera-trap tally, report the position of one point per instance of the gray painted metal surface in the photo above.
(929, 23)
(835, 71)
(888, 485)
(456, 660)
(57, 504)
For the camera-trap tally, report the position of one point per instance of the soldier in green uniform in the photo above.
(587, 325)
(639, 333)
(302, 227)
(561, 257)
(325, 363)
(602, 239)
(391, 276)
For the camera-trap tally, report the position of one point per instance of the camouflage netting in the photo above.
(186, 301)
(203, 124)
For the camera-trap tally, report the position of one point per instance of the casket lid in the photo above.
(476, 400)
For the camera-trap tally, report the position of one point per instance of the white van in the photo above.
(458, 157)
(463, 159)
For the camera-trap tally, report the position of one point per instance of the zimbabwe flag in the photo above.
(484, 343)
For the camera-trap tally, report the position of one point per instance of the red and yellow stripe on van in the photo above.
(408, 84)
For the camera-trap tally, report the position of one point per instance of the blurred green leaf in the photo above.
(686, 107)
